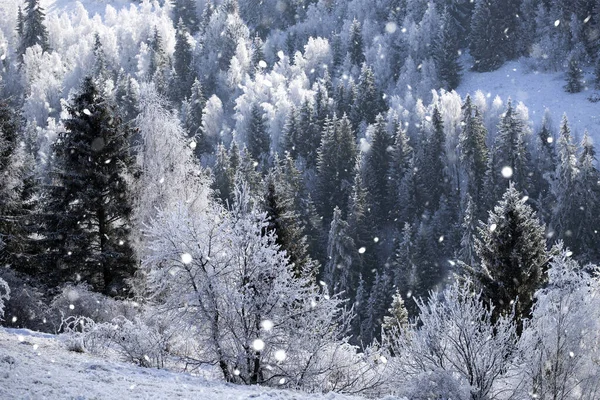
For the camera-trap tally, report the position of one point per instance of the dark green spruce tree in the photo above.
(16, 191)
(279, 204)
(369, 100)
(376, 168)
(473, 153)
(485, 42)
(513, 258)
(511, 156)
(182, 63)
(32, 26)
(446, 53)
(184, 11)
(355, 45)
(87, 208)
(564, 220)
(574, 77)
(585, 236)
(257, 135)
(335, 167)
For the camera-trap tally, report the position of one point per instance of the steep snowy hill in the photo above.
(538, 91)
(37, 366)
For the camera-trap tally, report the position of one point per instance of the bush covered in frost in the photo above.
(78, 300)
(141, 340)
(27, 305)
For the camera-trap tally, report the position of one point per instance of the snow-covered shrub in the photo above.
(141, 340)
(80, 301)
(27, 305)
(560, 343)
(135, 340)
(74, 332)
(437, 384)
(456, 342)
(4, 295)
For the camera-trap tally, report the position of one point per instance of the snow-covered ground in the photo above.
(37, 366)
(92, 6)
(538, 91)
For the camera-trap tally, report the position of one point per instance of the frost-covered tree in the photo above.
(4, 296)
(224, 280)
(456, 337)
(341, 254)
(513, 258)
(168, 173)
(396, 319)
(559, 343)
(309, 134)
(433, 181)
(400, 166)
(192, 118)
(158, 62)
(88, 206)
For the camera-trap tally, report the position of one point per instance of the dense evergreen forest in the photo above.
(224, 181)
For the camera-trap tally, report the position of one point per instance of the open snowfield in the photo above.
(538, 91)
(37, 366)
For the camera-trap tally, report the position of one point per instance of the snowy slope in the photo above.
(537, 91)
(36, 366)
(92, 6)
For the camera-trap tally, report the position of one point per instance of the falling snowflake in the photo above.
(258, 345)
(362, 250)
(280, 355)
(186, 258)
(507, 172)
(267, 325)
(391, 27)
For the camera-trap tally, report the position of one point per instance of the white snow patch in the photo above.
(37, 366)
(538, 91)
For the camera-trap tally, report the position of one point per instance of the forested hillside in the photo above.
(294, 193)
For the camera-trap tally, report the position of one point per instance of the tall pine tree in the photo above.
(513, 256)
(88, 202)
(33, 29)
